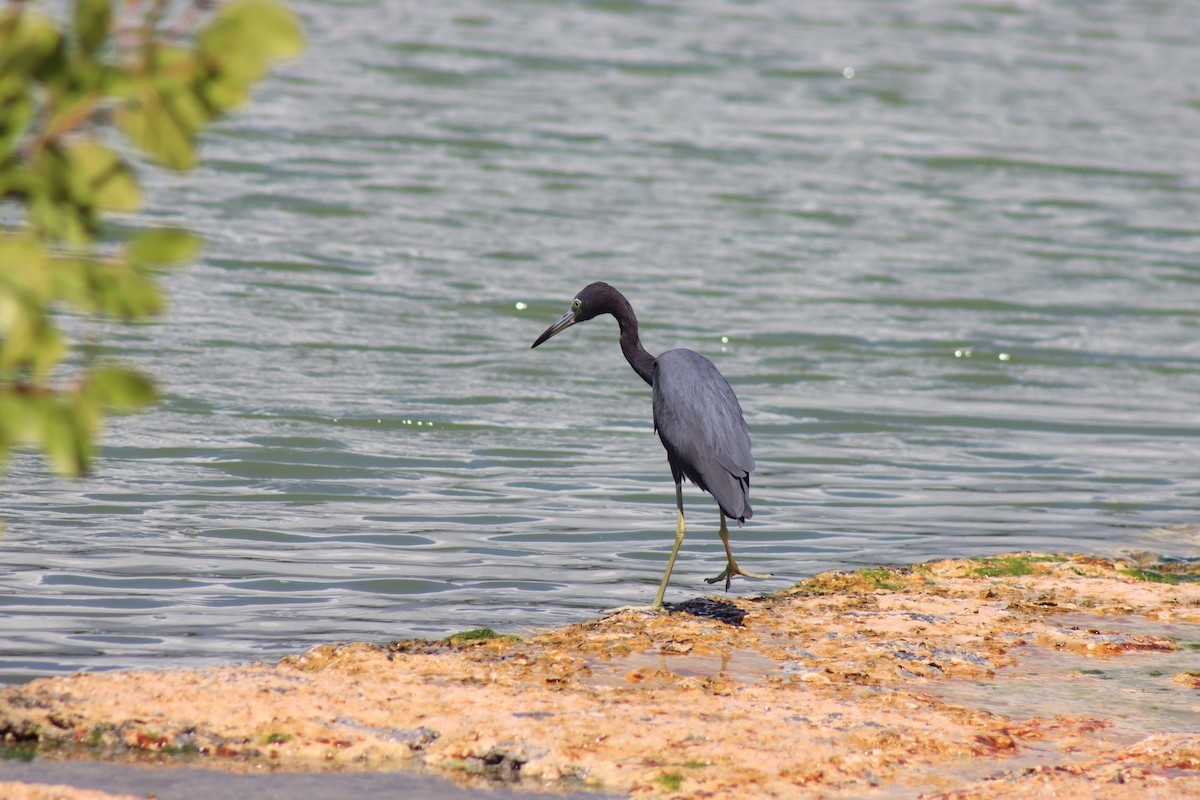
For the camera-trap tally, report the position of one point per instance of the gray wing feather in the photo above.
(700, 423)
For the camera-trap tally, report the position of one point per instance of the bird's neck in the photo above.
(631, 345)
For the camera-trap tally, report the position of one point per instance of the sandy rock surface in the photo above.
(1007, 677)
(10, 790)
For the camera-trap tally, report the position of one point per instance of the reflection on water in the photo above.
(956, 293)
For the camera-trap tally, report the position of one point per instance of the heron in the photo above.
(697, 418)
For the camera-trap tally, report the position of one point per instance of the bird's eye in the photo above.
(576, 305)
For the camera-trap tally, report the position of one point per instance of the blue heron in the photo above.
(696, 415)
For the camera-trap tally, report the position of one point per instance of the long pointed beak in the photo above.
(564, 322)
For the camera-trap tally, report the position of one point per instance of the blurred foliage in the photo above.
(156, 74)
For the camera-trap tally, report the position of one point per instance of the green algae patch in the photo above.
(863, 581)
(1154, 576)
(480, 635)
(671, 781)
(1014, 565)
(882, 578)
(18, 752)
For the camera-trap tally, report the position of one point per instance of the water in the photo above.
(193, 783)
(957, 292)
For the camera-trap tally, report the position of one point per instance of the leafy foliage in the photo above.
(65, 86)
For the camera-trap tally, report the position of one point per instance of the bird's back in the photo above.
(699, 420)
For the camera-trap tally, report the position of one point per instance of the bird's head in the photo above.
(595, 299)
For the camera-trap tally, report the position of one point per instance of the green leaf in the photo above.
(99, 177)
(70, 281)
(23, 267)
(149, 123)
(65, 441)
(27, 39)
(116, 82)
(92, 21)
(253, 29)
(161, 247)
(19, 182)
(118, 388)
(28, 336)
(55, 218)
(223, 94)
(62, 201)
(110, 287)
(16, 112)
(124, 293)
(21, 417)
(74, 96)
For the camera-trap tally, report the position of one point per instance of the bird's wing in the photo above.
(698, 416)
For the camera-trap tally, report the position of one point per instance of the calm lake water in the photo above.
(948, 255)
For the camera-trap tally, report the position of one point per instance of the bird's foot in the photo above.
(731, 570)
(608, 612)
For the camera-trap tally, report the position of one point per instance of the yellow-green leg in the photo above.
(731, 568)
(680, 530)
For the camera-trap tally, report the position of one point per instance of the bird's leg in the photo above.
(731, 568)
(680, 530)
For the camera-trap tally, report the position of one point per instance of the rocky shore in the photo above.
(1006, 677)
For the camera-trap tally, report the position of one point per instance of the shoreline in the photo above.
(1002, 677)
